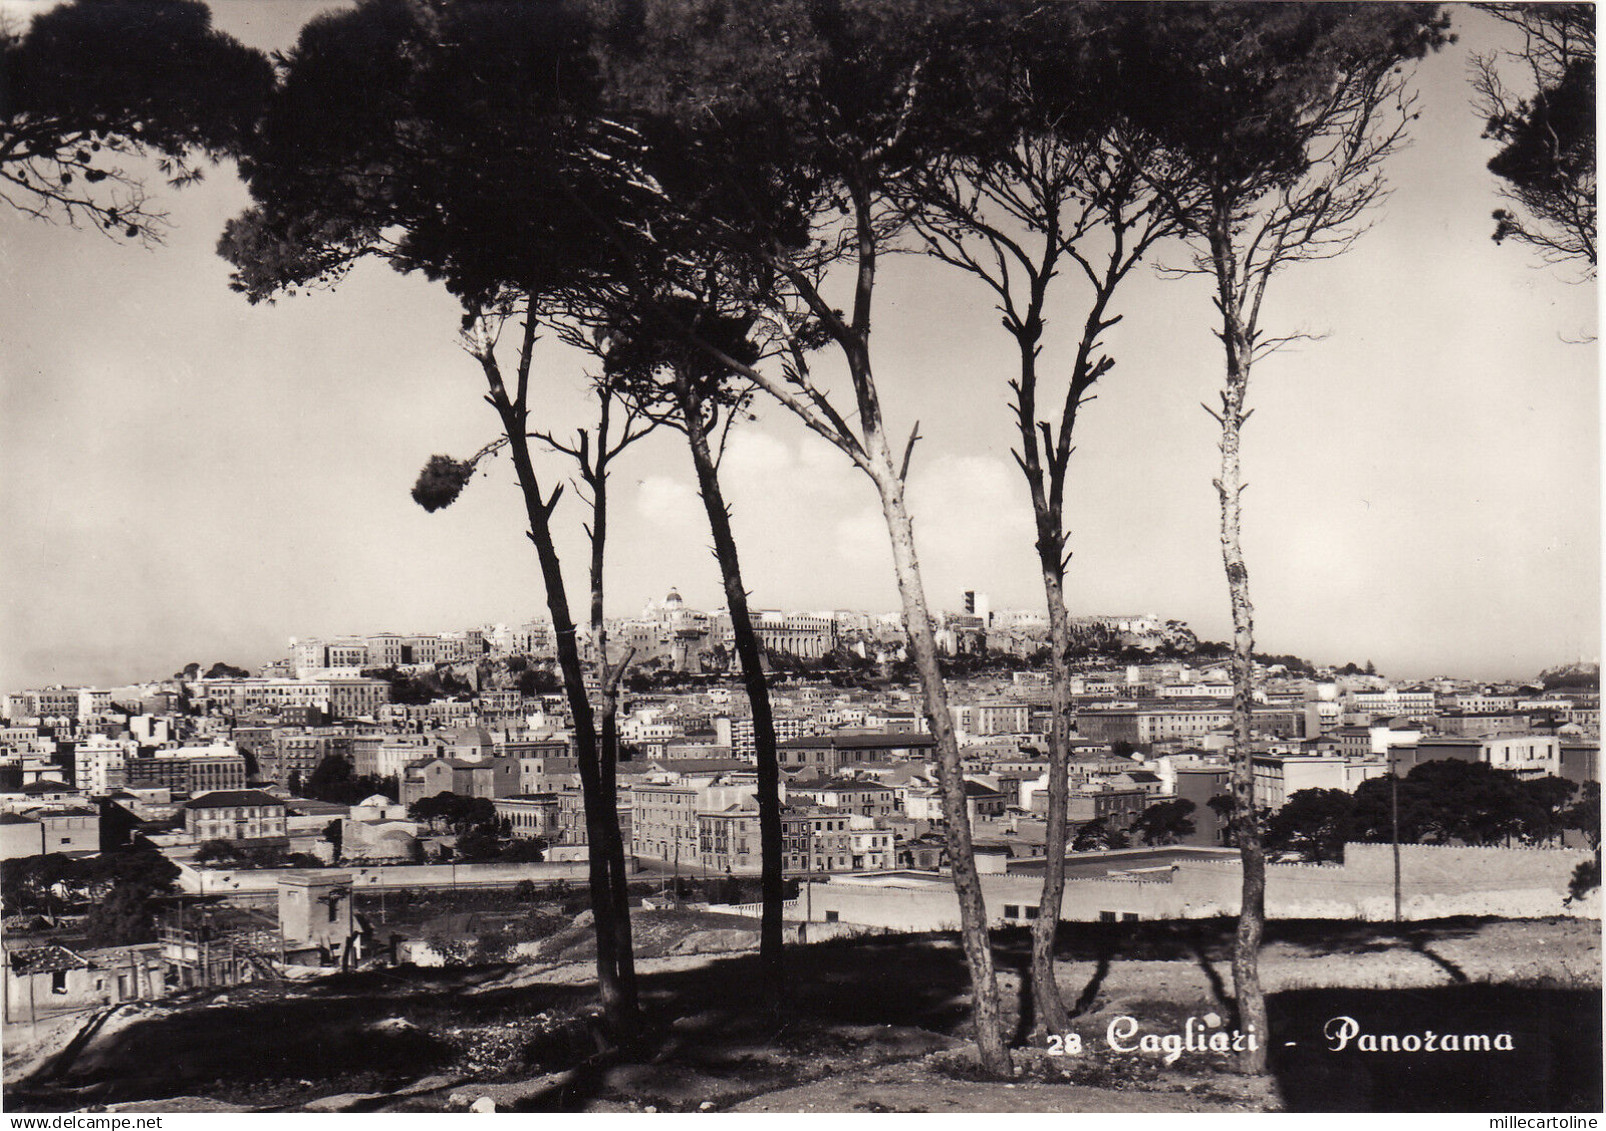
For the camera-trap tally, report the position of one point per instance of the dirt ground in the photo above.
(875, 1024)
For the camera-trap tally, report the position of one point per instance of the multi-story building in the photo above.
(1527, 755)
(663, 823)
(1279, 776)
(1393, 701)
(571, 818)
(736, 731)
(1118, 809)
(993, 717)
(93, 702)
(1479, 703)
(538, 760)
(499, 701)
(186, 769)
(100, 763)
(1199, 784)
(865, 798)
(426, 778)
(235, 815)
(827, 753)
(302, 751)
(871, 849)
(729, 840)
(1151, 724)
(816, 840)
(43, 703)
(1468, 724)
(338, 697)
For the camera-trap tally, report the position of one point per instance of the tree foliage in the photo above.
(453, 811)
(334, 780)
(1584, 813)
(1165, 822)
(96, 89)
(1545, 128)
(441, 481)
(1313, 825)
(1454, 801)
(1275, 122)
(420, 688)
(1097, 834)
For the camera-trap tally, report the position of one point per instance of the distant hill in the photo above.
(1579, 675)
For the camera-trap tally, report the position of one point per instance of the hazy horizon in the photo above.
(188, 478)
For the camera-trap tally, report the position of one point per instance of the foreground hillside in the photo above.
(877, 1024)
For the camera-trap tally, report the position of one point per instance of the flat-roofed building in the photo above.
(1526, 755)
(531, 815)
(828, 753)
(1279, 776)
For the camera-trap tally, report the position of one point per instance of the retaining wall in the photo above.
(1436, 882)
(264, 882)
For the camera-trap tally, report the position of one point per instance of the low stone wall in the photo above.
(1436, 882)
(264, 882)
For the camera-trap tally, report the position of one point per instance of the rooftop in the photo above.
(860, 740)
(231, 798)
(46, 960)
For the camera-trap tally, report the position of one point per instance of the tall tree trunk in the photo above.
(611, 845)
(618, 1000)
(1049, 1014)
(888, 475)
(1047, 488)
(1239, 341)
(771, 958)
(973, 933)
(618, 874)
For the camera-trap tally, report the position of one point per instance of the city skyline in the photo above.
(191, 478)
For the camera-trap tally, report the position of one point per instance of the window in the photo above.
(1129, 917)
(831, 917)
(58, 981)
(1011, 911)
(1031, 912)
(1106, 916)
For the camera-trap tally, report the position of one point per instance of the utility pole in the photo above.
(1394, 820)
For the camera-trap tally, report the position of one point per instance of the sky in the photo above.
(186, 477)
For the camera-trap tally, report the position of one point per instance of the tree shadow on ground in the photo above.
(1218, 989)
(1162, 940)
(378, 1030)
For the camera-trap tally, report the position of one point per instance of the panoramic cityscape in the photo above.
(490, 628)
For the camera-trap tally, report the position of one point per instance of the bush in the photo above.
(213, 851)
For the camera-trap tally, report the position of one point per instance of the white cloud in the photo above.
(752, 454)
(669, 503)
